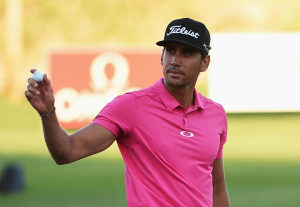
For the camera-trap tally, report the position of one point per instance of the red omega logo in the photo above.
(187, 134)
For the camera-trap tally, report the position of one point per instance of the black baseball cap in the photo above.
(187, 31)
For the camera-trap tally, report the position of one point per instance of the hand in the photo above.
(40, 94)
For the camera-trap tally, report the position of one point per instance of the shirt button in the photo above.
(185, 115)
(193, 107)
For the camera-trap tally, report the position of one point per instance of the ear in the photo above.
(205, 63)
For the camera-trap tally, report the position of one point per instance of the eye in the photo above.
(170, 49)
(187, 53)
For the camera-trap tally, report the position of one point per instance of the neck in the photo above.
(184, 95)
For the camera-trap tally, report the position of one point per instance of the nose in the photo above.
(175, 60)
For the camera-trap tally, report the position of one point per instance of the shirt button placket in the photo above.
(185, 120)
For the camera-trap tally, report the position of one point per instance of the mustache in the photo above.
(174, 69)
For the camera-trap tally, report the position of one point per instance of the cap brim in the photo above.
(164, 42)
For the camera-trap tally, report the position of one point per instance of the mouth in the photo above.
(174, 72)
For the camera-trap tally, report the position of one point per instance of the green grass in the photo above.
(263, 137)
(100, 182)
(261, 161)
(88, 182)
(263, 184)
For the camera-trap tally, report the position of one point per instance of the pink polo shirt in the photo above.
(168, 150)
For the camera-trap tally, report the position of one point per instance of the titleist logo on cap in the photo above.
(182, 30)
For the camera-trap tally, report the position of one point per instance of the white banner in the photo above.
(253, 72)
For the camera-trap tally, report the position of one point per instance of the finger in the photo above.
(32, 90)
(28, 95)
(28, 88)
(32, 82)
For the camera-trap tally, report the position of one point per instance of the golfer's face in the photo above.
(181, 64)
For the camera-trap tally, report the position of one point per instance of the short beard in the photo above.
(174, 83)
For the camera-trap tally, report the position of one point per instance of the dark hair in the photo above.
(203, 54)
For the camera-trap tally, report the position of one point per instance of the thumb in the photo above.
(32, 70)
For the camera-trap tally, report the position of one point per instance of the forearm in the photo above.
(58, 141)
(221, 199)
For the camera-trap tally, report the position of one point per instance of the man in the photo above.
(171, 137)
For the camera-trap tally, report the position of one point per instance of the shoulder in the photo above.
(146, 92)
(210, 104)
(133, 96)
(138, 94)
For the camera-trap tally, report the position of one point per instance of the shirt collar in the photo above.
(198, 100)
(169, 101)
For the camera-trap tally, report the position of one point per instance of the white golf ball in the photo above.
(38, 76)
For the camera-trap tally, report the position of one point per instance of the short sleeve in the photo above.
(223, 136)
(118, 115)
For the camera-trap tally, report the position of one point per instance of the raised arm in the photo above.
(220, 195)
(65, 148)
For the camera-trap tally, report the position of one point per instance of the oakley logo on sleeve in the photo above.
(187, 134)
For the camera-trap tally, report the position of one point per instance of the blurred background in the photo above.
(261, 155)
